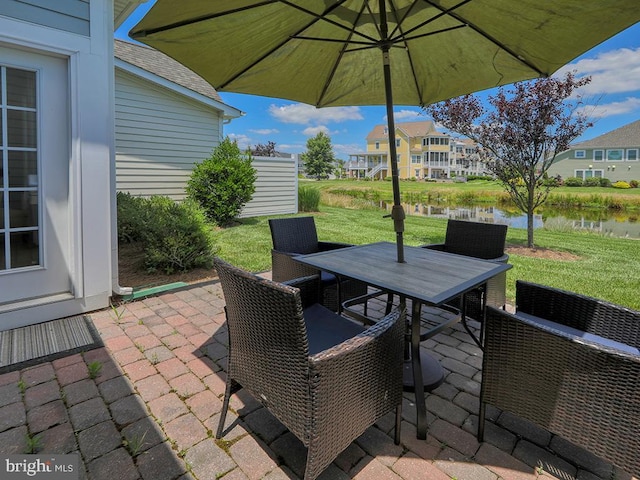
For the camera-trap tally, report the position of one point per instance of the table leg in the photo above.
(418, 382)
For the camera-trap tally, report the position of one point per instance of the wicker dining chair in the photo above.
(570, 364)
(479, 240)
(298, 236)
(326, 378)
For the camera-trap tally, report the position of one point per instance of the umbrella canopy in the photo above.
(377, 52)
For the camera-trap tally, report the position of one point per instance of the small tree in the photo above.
(268, 150)
(529, 126)
(223, 183)
(318, 159)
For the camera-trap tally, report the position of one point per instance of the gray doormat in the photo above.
(43, 342)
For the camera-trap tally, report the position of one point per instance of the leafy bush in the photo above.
(308, 199)
(177, 236)
(620, 184)
(223, 183)
(633, 183)
(605, 182)
(592, 182)
(131, 219)
(573, 182)
(470, 178)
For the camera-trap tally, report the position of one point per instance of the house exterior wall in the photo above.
(159, 136)
(607, 162)
(90, 77)
(67, 15)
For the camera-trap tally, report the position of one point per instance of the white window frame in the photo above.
(377, 145)
(580, 154)
(621, 150)
(601, 153)
(636, 153)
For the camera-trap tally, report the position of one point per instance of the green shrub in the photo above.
(573, 182)
(620, 184)
(592, 182)
(177, 236)
(223, 183)
(131, 217)
(633, 183)
(605, 182)
(308, 199)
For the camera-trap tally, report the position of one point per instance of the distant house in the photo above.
(613, 155)
(423, 152)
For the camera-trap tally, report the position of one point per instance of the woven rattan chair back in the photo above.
(583, 388)
(294, 234)
(475, 239)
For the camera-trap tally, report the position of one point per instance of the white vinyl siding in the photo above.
(276, 187)
(159, 136)
(68, 15)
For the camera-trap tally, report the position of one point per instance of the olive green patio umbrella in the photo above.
(378, 52)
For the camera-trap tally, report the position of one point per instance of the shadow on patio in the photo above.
(152, 411)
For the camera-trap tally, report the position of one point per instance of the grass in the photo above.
(607, 267)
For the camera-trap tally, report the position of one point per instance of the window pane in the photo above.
(614, 154)
(21, 88)
(1, 210)
(23, 169)
(23, 209)
(21, 128)
(3, 261)
(24, 249)
(632, 154)
(597, 155)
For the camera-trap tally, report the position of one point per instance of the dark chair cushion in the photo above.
(326, 329)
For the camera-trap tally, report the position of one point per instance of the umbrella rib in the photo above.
(192, 21)
(427, 22)
(323, 17)
(340, 55)
(493, 40)
(316, 18)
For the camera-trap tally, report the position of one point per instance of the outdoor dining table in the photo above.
(426, 276)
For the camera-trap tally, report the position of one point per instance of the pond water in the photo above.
(603, 222)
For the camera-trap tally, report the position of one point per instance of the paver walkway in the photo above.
(151, 411)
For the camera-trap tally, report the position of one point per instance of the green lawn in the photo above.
(607, 268)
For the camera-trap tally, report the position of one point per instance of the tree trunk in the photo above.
(530, 229)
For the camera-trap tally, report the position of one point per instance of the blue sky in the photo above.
(612, 100)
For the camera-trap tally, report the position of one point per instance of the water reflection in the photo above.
(597, 221)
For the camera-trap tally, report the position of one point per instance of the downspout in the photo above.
(115, 282)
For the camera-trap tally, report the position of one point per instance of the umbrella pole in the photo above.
(397, 212)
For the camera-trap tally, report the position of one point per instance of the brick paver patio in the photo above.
(151, 411)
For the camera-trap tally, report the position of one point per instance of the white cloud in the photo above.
(405, 114)
(615, 71)
(313, 131)
(614, 108)
(304, 114)
(243, 140)
(265, 131)
(346, 150)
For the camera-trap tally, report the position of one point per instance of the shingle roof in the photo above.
(412, 129)
(623, 137)
(163, 66)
